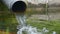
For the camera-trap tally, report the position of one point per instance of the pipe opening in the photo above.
(19, 6)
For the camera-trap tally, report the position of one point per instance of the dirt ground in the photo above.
(3, 32)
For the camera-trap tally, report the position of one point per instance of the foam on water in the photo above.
(54, 32)
(28, 29)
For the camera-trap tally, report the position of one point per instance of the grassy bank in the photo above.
(50, 25)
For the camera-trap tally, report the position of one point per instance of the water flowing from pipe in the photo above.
(23, 27)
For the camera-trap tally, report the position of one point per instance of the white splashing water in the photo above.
(28, 29)
(54, 32)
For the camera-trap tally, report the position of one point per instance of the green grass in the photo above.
(10, 22)
(50, 25)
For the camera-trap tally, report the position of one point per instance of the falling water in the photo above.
(23, 28)
(21, 19)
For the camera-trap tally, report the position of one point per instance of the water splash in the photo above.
(23, 27)
(29, 30)
(54, 32)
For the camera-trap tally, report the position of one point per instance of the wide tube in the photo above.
(16, 5)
